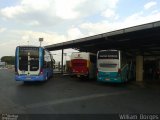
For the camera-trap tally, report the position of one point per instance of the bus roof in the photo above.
(34, 46)
(31, 46)
(109, 50)
(28, 46)
(83, 53)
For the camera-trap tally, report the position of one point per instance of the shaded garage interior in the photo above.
(142, 41)
(151, 68)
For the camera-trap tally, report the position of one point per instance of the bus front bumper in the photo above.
(78, 74)
(29, 78)
(111, 80)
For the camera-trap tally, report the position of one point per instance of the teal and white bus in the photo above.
(114, 66)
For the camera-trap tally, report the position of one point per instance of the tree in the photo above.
(8, 59)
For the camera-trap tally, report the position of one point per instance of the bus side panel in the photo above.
(41, 57)
(124, 74)
(16, 62)
(41, 62)
(47, 71)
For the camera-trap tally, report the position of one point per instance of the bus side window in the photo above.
(45, 60)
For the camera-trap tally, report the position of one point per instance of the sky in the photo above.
(23, 22)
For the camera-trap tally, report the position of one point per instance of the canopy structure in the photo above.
(143, 39)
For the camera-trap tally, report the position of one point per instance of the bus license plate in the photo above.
(28, 78)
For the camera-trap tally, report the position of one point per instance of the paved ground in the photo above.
(63, 94)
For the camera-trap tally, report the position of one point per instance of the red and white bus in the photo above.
(83, 64)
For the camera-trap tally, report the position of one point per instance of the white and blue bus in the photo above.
(114, 66)
(33, 64)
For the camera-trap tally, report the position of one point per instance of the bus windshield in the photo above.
(28, 57)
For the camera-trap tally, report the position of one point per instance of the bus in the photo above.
(33, 64)
(114, 66)
(83, 64)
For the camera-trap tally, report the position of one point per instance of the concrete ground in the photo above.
(63, 94)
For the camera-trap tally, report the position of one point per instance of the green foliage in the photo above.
(8, 59)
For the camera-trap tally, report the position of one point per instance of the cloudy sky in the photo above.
(23, 22)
